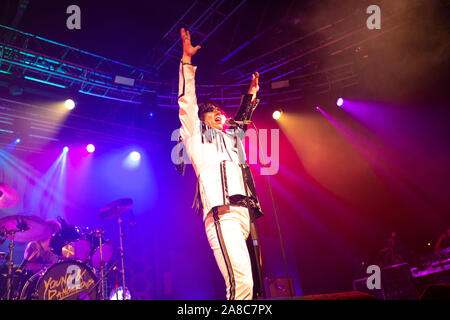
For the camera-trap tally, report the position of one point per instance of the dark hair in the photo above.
(206, 106)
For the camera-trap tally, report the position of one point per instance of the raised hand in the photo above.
(254, 84)
(188, 49)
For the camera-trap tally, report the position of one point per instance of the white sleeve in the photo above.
(187, 100)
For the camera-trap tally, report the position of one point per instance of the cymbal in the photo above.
(8, 196)
(115, 208)
(25, 227)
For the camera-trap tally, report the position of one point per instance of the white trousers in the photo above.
(227, 232)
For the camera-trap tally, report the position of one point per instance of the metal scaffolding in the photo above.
(41, 60)
(202, 19)
(298, 64)
(317, 62)
(37, 125)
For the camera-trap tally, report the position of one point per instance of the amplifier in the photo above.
(279, 287)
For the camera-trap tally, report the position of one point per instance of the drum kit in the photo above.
(79, 272)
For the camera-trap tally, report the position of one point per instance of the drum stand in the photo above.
(121, 258)
(99, 234)
(111, 268)
(112, 210)
(102, 277)
(121, 255)
(10, 265)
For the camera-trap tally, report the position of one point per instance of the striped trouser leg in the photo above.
(227, 230)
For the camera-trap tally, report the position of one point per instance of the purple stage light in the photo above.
(17, 140)
(90, 148)
(66, 149)
(340, 102)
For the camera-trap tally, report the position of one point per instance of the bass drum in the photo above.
(65, 280)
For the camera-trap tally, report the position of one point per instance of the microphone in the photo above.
(234, 123)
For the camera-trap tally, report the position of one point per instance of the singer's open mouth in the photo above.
(218, 119)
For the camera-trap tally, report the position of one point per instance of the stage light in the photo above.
(17, 140)
(340, 102)
(151, 114)
(132, 161)
(135, 156)
(277, 114)
(66, 149)
(90, 148)
(69, 104)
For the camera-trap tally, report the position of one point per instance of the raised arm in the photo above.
(254, 86)
(249, 101)
(187, 99)
(188, 49)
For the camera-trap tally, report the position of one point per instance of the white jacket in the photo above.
(215, 155)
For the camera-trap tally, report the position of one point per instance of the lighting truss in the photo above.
(37, 128)
(45, 61)
(299, 61)
(202, 19)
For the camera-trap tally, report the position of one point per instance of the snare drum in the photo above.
(71, 243)
(65, 280)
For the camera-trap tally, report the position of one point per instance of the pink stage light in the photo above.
(90, 148)
(340, 102)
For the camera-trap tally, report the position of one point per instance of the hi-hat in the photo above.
(25, 228)
(8, 196)
(115, 208)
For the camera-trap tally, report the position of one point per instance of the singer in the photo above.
(226, 195)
